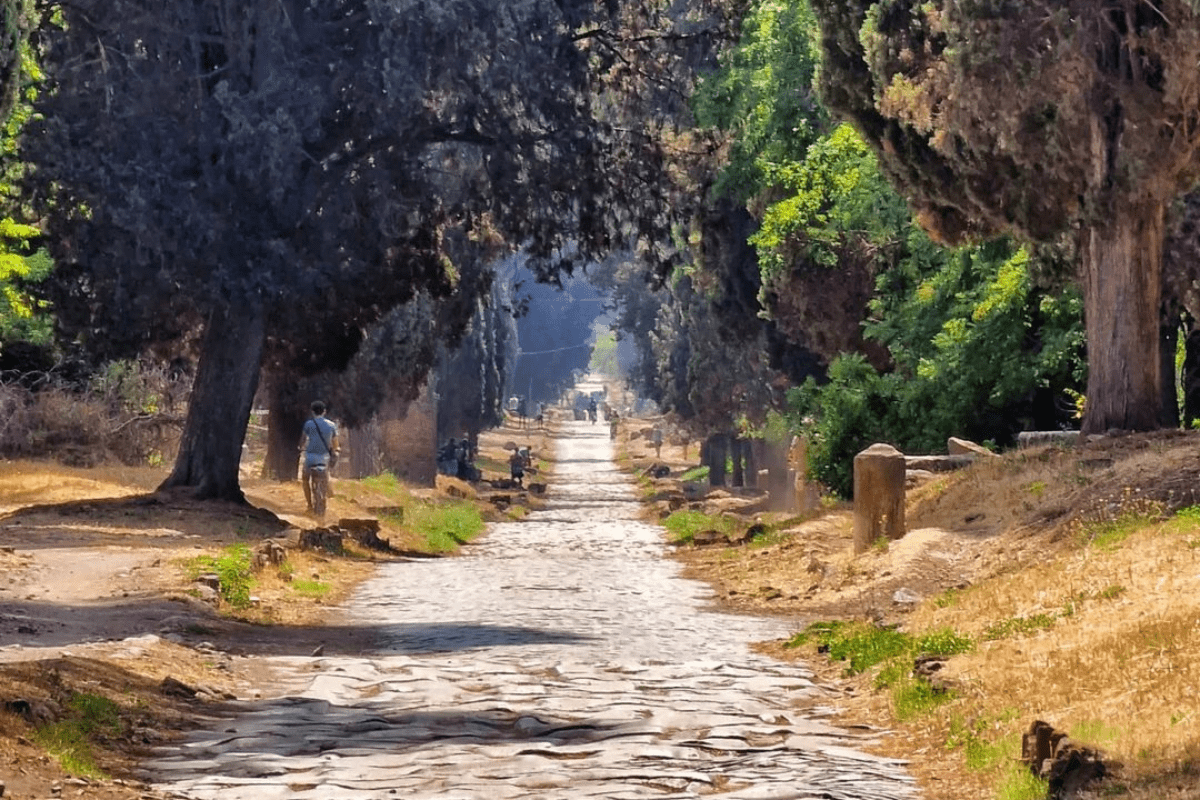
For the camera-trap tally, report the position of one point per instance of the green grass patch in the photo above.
(445, 525)
(979, 754)
(1018, 783)
(695, 474)
(684, 525)
(1018, 626)
(70, 740)
(310, 588)
(1095, 732)
(1110, 534)
(1189, 514)
(948, 598)
(915, 697)
(234, 569)
(386, 484)
(863, 646)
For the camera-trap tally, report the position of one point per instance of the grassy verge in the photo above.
(682, 526)
(1100, 640)
(439, 525)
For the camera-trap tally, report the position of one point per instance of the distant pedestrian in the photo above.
(320, 447)
(656, 438)
(516, 467)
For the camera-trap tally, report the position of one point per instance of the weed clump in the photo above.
(234, 567)
(70, 740)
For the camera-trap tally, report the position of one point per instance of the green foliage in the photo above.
(842, 417)
(22, 316)
(128, 386)
(70, 740)
(763, 96)
(684, 525)
(234, 568)
(972, 339)
(604, 355)
(695, 474)
(915, 697)
(834, 199)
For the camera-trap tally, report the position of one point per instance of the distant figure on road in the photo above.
(592, 410)
(656, 438)
(614, 421)
(516, 466)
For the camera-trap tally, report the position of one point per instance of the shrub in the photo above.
(125, 411)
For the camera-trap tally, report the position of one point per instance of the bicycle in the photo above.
(318, 482)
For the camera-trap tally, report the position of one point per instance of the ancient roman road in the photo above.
(561, 657)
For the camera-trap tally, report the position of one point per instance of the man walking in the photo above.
(320, 446)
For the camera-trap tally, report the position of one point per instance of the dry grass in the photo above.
(1119, 659)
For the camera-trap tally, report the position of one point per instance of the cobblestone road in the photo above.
(562, 657)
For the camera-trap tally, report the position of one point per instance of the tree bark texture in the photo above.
(1169, 329)
(366, 450)
(780, 486)
(1122, 289)
(752, 450)
(210, 450)
(737, 452)
(285, 426)
(716, 448)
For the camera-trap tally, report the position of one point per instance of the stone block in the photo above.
(879, 475)
(965, 447)
(331, 540)
(1038, 438)
(939, 463)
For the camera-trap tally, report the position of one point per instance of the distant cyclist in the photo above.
(320, 446)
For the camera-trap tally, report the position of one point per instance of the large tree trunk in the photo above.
(716, 450)
(285, 426)
(1122, 289)
(210, 450)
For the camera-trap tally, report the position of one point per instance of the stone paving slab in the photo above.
(563, 657)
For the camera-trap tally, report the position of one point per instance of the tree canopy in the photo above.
(259, 167)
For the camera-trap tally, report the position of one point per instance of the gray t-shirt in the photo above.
(315, 451)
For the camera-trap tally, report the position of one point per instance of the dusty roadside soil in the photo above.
(97, 599)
